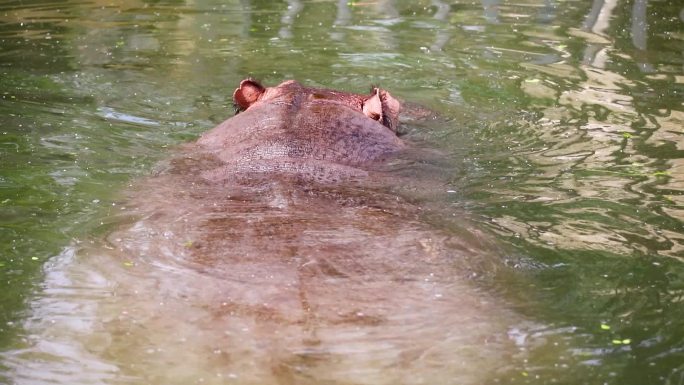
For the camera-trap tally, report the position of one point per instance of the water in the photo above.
(562, 121)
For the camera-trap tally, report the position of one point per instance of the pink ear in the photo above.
(372, 107)
(381, 106)
(390, 110)
(247, 94)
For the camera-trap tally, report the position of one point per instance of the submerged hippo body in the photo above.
(267, 253)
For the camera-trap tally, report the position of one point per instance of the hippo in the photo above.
(276, 249)
(311, 133)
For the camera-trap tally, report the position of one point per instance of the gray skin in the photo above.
(270, 241)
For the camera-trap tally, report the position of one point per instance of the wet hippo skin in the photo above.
(316, 134)
(275, 250)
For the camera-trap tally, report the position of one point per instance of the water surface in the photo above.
(562, 121)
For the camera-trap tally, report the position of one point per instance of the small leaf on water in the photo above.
(661, 173)
(525, 374)
(605, 327)
(626, 341)
(34, 258)
(128, 263)
(626, 135)
(188, 244)
(617, 342)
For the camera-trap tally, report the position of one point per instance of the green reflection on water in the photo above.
(571, 113)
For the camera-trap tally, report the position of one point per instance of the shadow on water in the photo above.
(563, 130)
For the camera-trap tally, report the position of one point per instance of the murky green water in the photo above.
(566, 120)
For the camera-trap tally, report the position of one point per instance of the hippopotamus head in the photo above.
(379, 105)
(315, 133)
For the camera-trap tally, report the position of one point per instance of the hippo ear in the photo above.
(390, 110)
(372, 107)
(247, 94)
(381, 106)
